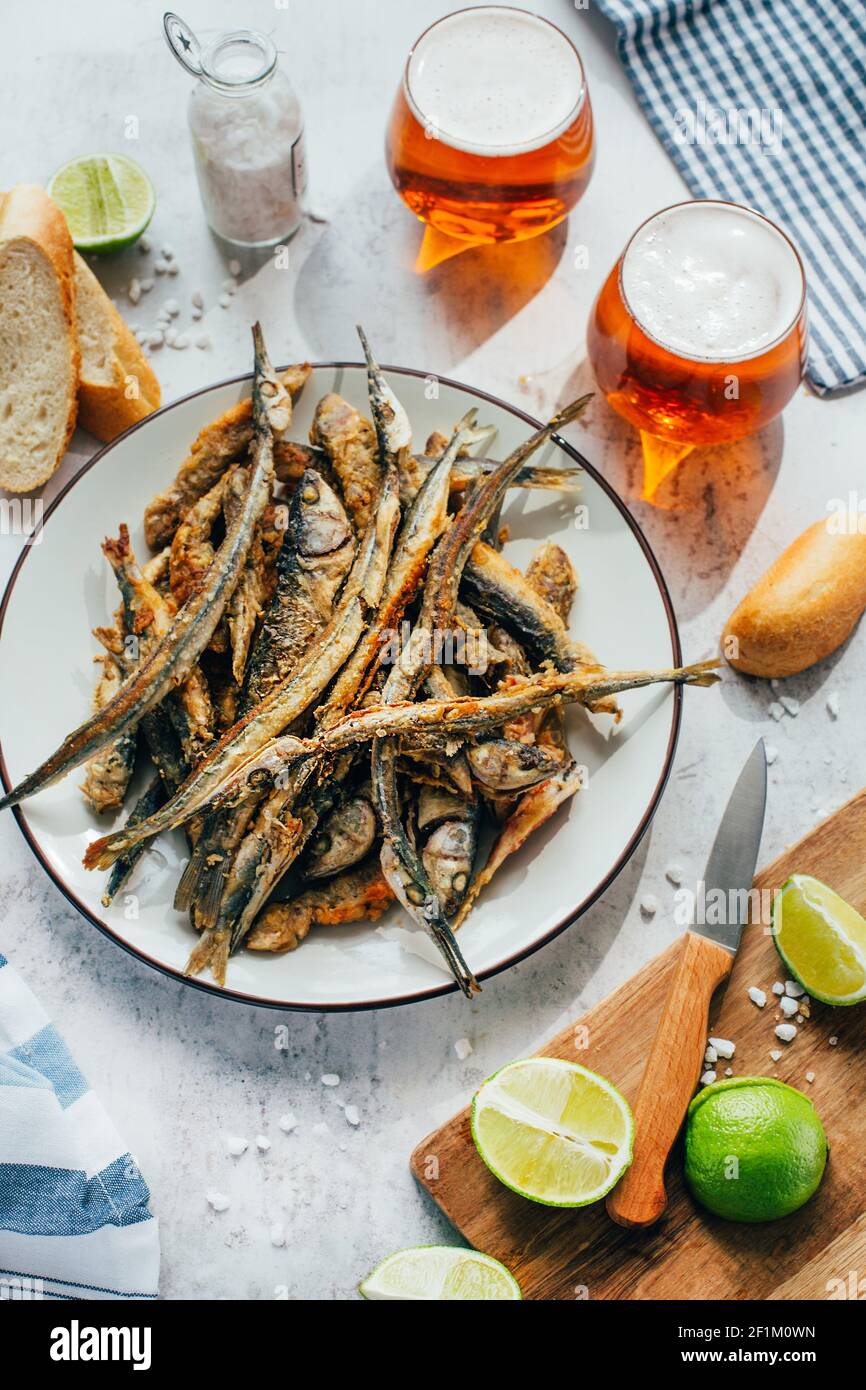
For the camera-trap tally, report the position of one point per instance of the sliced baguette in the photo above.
(117, 386)
(39, 356)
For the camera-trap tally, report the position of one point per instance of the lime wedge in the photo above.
(441, 1272)
(107, 198)
(821, 939)
(553, 1131)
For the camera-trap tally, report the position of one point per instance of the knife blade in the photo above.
(734, 855)
(706, 959)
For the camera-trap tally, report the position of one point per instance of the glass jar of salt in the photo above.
(247, 134)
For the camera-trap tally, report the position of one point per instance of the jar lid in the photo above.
(183, 43)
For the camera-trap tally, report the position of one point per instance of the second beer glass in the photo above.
(491, 138)
(699, 333)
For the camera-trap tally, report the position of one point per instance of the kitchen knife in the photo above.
(676, 1057)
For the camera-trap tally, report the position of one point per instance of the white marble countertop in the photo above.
(178, 1069)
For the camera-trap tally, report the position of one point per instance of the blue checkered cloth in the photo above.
(763, 102)
(74, 1221)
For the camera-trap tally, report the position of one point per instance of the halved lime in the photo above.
(107, 198)
(441, 1272)
(553, 1131)
(821, 939)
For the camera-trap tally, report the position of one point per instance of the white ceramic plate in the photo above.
(61, 588)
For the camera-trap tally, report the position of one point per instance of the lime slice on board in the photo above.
(821, 939)
(441, 1272)
(553, 1131)
(107, 198)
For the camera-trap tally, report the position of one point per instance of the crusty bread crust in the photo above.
(27, 214)
(108, 408)
(804, 607)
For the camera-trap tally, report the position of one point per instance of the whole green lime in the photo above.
(755, 1148)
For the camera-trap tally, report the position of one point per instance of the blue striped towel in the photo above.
(763, 102)
(74, 1222)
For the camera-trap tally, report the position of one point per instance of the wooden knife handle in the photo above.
(673, 1067)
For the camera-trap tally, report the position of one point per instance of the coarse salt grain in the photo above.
(729, 1071)
(181, 341)
(810, 1076)
(278, 1235)
(785, 1032)
(776, 1054)
(775, 710)
(202, 341)
(790, 705)
(711, 1055)
(133, 290)
(794, 989)
(224, 300)
(778, 987)
(160, 266)
(173, 268)
(463, 1048)
(833, 1041)
(352, 1115)
(330, 1078)
(234, 268)
(649, 904)
(708, 1078)
(236, 1145)
(172, 308)
(757, 996)
(196, 299)
(144, 244)
(262, 1143)
(217, 1201)
(287, 1122)
(724, 1047)
(674, 874)
(788, 1006)
(771, 753)
(833, 705)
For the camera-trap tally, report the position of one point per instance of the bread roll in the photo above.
(117, 386)
(39, 356)
(805, 605)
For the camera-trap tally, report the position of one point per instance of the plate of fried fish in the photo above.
(360, 685)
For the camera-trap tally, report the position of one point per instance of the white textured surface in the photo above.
(178, 1070)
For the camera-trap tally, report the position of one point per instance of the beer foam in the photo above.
(708, 280)
(494, 81)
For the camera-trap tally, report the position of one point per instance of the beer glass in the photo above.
(699, 333)
(490, 138)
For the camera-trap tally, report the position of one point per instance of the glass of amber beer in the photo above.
(491, 138)
(699, 333)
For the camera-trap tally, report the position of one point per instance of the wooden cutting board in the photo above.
(556, 1254)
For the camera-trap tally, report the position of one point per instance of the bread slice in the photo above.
(117, 386)
(38, 343)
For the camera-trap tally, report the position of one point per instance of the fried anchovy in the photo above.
(447, 828)
(456, 718)
(108, 774)
(506, 765)
(468, 470)
(344, 838)
(222, 442)
(401, 863)
(361, 594)
(355, 895)
(148, 616)
(312, 563)
(533, 809)
(349, 442)
(502, 593)
(422, 527)
(178, 651)
(150, 800)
